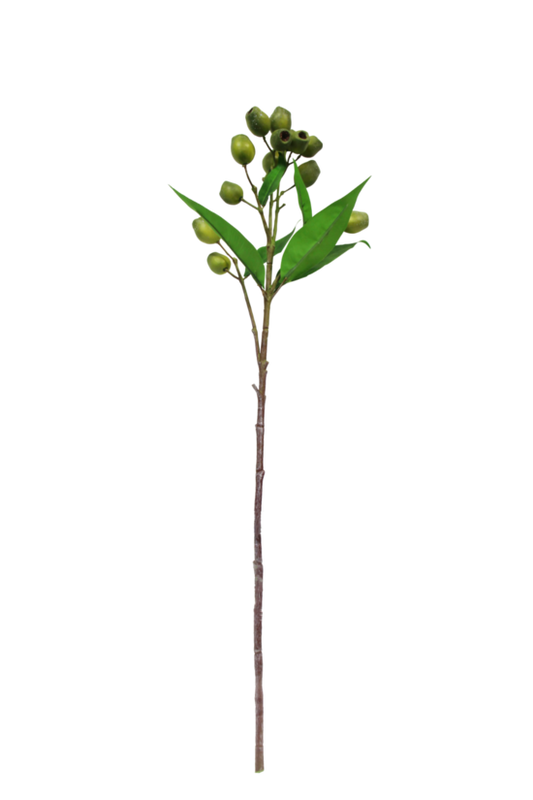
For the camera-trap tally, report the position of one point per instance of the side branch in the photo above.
(237, 277)
(254, 188)
(260, 207)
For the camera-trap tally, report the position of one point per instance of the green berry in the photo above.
(231, 193)
(309, 171)
(314, 146)
(300, 140)
(242, 149)
(270, 161)
(358, 222)
(281, 139)
(280, 118)
(218, 263)
(258, 122)
(204, 231)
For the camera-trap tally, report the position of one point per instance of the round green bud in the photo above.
(242, 149)
(258, 122)
(218, 263)
(281, 139)
(300, 140)
(314, 146)
(270, 160)
(358, 222)
(280, 118)
(204, 231)
(231, 193)
(309, 171)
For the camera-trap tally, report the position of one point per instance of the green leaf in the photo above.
(272, 181)
(366, 243)
(312, 243)
(339, 251)
(243, 249)
(280, 244)
(303, 195)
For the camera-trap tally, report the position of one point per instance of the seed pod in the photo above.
(203, 232)
(311, 172)
(242, 149)
(231, 193)
(217, 264)
(280, 118)
(258, 122)
(300, 140)
(313, 147)
(281, 139)
(270, 160)
(358, 222)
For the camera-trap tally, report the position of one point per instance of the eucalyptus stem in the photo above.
(258, 504)
(258, 554)
(268, 292)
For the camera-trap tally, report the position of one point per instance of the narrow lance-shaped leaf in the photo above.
(312, 243)
(272, 181)
(303, 195)
(337, 251)
(280, 244)
(243, 249)
(366, 243)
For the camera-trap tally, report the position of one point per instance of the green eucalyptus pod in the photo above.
(280, 118)
(281, 139)
(258, 122)
(242, 149)
(270, 160)
(309, 171)
(218, 263)
(204, 231)
(231, 193)
(358, 222)
(300, 140)
(314, 146)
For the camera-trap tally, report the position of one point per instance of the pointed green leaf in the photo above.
(339, 251)
(303, 195)
(272, 180)
(243, 249)
(280, 244)
(366, 243)
(312, 243)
